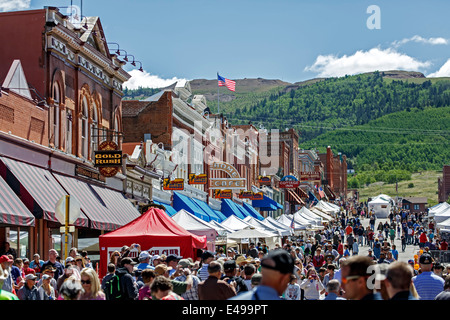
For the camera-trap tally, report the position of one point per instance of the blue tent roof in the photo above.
(230, 208)
(266, 204)
(205, 207)
(169, 209)
(181, 201)
(255, 214)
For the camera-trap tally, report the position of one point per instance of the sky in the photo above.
(289, 40)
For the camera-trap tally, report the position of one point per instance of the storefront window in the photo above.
(19, 241)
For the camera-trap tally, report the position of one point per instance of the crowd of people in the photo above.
(325, 265)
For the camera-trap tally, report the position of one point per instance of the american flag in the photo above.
(321, 193)
(230, 84)
(292, 222)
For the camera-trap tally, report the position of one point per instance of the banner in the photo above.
(289, 181)
(310, 176)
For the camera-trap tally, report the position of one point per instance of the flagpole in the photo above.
(218, 105)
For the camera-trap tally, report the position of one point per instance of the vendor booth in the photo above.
(197, 226)
(381, 206)
(156, 233)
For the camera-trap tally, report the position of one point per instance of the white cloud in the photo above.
(365, 61)
(419, 39)
(444, 71)
(147, 80)
(12, 5)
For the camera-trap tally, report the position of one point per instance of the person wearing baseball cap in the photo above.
(125, 273)
(276, 270)
(144, 261)
(29, 290)
(172, 261)
(427, 284)
(230, 270)
(6, 278)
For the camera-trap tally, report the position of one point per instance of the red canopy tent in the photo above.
(155, 232)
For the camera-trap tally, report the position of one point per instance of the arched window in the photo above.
(69, 130)
(84, 128)
(94, 130)
(56, 102)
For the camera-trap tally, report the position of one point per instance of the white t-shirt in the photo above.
(292, 292)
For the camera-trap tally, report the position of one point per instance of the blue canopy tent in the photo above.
(255, 214)
(212, 214)
(180, 201)
(169, 209)
(266, 204)
(230, 208)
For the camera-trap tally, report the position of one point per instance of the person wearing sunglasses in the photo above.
(355, 272)
(91, 285)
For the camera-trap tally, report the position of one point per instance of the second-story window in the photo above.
(56, 102)
(84, 128)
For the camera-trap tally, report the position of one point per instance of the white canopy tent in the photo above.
(322, 214)
(381, 206)
(285, 230)
(306, 212)
(235, 223)
(221, 230)
(327, 207)
(438, 209)
(259, 224)
(251, 233)
(286, 220)
(442, 216)
(444, 224)
(301, 216)
(196, 226)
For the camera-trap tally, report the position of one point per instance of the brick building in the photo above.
(335, 174)
(444, 184)
(61, 97)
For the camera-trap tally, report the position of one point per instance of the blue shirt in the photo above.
(395, 254)
(145, 265)
(428, 285)
(259, 293)
(333, 296)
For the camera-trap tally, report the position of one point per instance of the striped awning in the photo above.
(118, 204)
(42, 187)
(91, 203)
(12, 210)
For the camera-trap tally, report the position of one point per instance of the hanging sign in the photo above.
(176, 184)
(309, 176)
(265, 180)
(257, 196)
(289, 181)
(108, 158)
(198, 178)
(245, 194)
(223, 194)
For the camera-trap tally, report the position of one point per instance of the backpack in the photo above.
(114, 288)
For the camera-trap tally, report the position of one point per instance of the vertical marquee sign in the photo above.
(108, 158)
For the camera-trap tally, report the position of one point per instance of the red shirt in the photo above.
(444, 245)
(348, 230)
(423, 237)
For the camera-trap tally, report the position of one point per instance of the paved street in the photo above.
(409, 253)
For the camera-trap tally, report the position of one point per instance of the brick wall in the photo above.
(23, 118)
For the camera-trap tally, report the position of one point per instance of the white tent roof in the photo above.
(306, 212)
(235, 223)
(444, 224)
(259, 224)
(285, 220)
(324, 206)
(321, 214)
(285, 230)
(442, 216)
(379, 200)
(190, 222)
(300, 216)
(251, 233)
(438, 208)
(222, 230)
